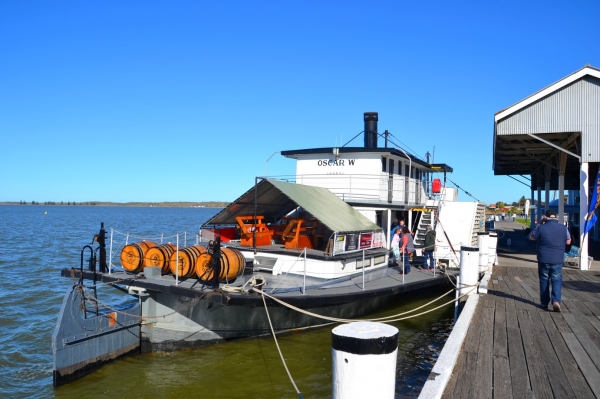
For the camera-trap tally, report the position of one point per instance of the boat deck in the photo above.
(514, 348)
(383, 280)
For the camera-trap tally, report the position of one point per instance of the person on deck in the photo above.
(551, 238)
(394, 225)
(407, 248)
(428, 249)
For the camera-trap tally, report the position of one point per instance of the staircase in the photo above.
(425, 220)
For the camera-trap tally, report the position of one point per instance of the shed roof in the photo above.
(586, 70)
(531, 135)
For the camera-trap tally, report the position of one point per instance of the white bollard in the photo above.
(364, 356)
(492, 245)
(483, 239)
(469, 269)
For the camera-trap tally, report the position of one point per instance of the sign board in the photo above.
(351, 242)
(366, 240)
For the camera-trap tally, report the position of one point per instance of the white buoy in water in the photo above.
(469, 269)
(364, 356)
(45, 213)
(483, 239)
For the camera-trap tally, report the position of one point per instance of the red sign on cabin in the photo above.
(366, 239)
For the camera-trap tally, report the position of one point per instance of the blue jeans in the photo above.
(406, 263)
(552, 272)
(428, 260)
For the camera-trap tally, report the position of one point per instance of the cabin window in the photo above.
(406, 171)
(383, 163)
(399, 168)
(391, 169)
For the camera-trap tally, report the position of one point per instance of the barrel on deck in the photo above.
(187, 260)
(232, 266)
(159, 256)
(132, 255)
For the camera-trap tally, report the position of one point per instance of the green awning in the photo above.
(275, 199)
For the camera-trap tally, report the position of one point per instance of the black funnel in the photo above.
(371, 129)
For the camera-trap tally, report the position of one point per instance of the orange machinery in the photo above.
(300, 233)
(247, 224)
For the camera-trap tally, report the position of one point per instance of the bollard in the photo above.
(492, 244)
(364, 356)
(483, 239)
(469, 269)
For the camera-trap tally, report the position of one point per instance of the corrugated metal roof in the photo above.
(566, 113)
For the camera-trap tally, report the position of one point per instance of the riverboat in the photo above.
(290, 253)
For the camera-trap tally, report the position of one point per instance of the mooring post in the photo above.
(469, 269)
(364, 356)
(483, 243)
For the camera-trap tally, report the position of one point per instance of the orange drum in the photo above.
(232, 266)
(187, 260)
(159, 256)
(132, 255)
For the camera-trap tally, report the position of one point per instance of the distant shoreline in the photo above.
(209, 204)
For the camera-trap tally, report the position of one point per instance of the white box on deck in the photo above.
(456, 219)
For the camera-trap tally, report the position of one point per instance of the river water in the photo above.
(37, 241)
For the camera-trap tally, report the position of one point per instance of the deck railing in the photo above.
(382, 188)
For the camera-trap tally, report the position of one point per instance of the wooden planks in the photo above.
(515, 349)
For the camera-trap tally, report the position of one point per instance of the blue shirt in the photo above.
(551, 240)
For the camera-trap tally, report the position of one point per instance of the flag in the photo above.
(591, 216)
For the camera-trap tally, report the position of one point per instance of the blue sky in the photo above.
(186, 101)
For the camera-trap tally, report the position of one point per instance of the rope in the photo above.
(279, 350)
(334, 319)
(466, 192)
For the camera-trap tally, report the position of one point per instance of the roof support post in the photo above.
(532, 220)
(539, 201)
(547, 186)
(561, 188)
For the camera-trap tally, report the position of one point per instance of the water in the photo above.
(34, 247)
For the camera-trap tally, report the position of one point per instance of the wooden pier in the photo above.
(515, 349)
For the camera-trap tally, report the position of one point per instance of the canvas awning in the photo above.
(275, 199)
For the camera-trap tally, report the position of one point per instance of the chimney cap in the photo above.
(371, 116)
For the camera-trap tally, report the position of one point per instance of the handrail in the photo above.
(366, 187)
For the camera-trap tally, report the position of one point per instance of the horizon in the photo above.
(150, 102)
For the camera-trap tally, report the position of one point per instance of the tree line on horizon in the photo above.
(205, 204)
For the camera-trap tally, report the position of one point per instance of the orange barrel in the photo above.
(159, 256)
(132, 255)
(187, 260)
(232, 265)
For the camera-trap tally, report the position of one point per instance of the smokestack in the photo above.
(371, 119)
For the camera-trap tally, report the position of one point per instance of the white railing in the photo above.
(381, 188)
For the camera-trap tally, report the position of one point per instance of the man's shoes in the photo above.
(544, 307)
(556, 306)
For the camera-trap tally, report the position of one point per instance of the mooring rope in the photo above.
(279, 350)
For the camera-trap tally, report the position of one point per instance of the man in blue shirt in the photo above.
(551, 238)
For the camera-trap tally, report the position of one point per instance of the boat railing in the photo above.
(380, 188)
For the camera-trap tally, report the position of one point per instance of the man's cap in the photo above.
(550, 213)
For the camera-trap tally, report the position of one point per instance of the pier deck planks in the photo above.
(514, 349)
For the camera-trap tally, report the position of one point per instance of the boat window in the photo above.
(399, 168)
(383, 163)
(405, 170)
(391, 169)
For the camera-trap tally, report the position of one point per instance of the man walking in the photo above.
(551, 238)
(428, 248)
